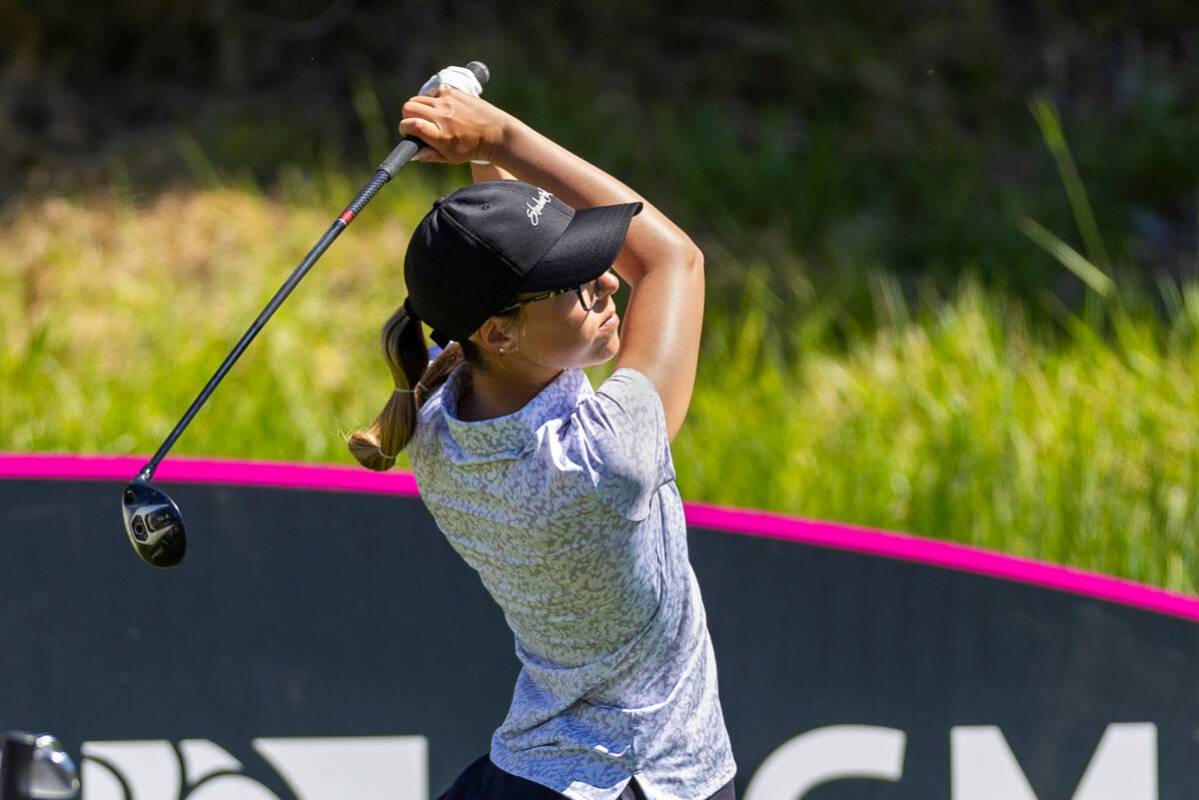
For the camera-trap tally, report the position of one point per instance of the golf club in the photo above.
(153, 521)
(33, 767)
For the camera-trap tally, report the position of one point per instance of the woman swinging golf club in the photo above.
(560, 496)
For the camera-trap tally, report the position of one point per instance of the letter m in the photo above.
(1124, 766)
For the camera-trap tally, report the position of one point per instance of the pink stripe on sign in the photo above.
(277, 474)
(885, 544)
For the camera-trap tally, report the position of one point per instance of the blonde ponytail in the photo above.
(407, 357)
(416, 379)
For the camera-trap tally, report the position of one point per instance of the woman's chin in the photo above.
(605, 353)
(612, 346)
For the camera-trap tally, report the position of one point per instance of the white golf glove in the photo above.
(459, 78)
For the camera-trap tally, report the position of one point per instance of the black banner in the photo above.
(330, 644)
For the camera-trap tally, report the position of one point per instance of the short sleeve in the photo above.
(622, 432)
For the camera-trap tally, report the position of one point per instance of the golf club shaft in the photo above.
(391, 165)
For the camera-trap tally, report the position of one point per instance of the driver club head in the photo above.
(35, 767)
(53, 773)
(154, 525)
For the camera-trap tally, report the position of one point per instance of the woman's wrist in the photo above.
(495, 151)
(517, 146)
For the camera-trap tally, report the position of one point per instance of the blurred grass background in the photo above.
(953, 286)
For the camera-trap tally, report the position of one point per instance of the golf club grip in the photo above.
(401, 155)
(406, 149)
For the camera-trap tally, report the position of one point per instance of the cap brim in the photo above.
(585, 250)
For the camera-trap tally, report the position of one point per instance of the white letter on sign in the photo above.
(828, 754)
(1124, 766)
(361, 767)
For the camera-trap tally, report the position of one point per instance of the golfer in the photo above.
(562, 497)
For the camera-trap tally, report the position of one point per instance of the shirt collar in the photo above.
(515, 431)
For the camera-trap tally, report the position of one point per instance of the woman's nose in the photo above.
(609, 282)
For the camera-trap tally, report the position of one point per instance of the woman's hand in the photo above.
(456, 126)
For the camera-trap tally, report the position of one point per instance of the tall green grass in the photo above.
(959, 422)
(956, 417)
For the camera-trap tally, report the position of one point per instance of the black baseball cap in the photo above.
(488, 241)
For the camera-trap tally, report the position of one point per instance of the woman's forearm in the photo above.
(652, 241)
(489, 172)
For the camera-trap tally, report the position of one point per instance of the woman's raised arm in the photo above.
(661, 332)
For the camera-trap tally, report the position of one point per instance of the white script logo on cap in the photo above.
(534, 209)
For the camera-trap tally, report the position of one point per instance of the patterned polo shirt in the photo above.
(569, 512)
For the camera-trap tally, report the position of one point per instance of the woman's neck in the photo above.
(486, 396)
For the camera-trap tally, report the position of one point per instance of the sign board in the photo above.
(322, 640)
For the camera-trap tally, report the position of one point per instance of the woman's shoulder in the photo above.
(618, 435)
(625, 409)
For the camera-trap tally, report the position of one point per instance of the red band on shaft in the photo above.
(347, 216)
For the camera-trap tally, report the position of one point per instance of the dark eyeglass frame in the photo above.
(578, 290)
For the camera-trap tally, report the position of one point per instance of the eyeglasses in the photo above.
(589, 295)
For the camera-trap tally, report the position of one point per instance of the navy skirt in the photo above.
(483, 780)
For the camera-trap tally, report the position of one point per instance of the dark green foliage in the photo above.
(883, 133)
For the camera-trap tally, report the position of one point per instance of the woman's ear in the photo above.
(495, 336)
